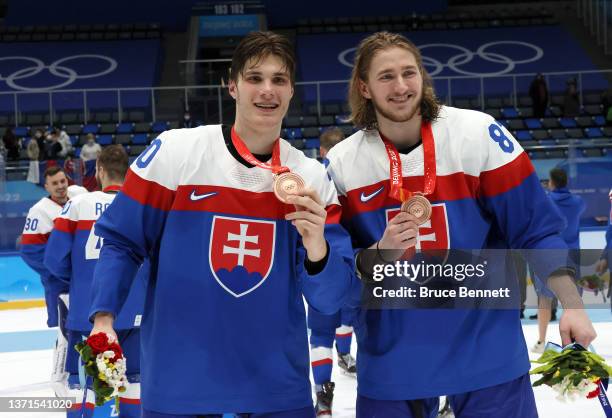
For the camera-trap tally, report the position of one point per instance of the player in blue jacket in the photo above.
(239, 226)
(605, 261)
(570, 207)
(466, 184)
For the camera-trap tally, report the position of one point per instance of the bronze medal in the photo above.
(286, 184)
(418, 206)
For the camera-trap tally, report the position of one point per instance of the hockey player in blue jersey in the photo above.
(72, 253)
(325, 329)
(478, 187)
(239, 227)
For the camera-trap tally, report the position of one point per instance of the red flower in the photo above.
(595, 393)
(117, 350)
(98, 342)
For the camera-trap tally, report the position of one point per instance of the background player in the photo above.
(606, 257)
(325, 328)
(36, 230)
(570, 207)
(71, 256)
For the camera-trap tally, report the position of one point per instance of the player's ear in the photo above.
(363, 89)
(232, 88)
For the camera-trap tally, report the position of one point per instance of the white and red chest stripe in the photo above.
(194, 170)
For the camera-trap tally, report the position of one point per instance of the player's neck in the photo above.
(111, 184)
(402, 134)
(60, 201)
(257, 140)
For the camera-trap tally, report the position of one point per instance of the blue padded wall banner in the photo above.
(467, 52)
(32, 67)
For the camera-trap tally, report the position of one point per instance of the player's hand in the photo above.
(103, 322)
(601, 266)
(400, 234)
(575, 325)
(309, 220)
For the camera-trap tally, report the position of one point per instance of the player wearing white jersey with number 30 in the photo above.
(36, 230)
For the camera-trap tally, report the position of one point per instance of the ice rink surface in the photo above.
(25, 373)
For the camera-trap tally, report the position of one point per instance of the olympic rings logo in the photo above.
(464, 56)
(57, 68)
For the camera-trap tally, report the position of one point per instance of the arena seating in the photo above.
(498, 17)
(87, 32)
(548, 137)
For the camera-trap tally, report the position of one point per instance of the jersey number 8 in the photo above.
(498, 135)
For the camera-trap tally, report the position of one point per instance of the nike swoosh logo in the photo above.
(194, 197)
(364, 198)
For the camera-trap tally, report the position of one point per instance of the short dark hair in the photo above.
(558, 177)
(259, 45)
(53, 170)
(114, 160)
(331, 137)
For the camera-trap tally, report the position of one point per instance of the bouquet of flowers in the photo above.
(573, 372)
(105, 363)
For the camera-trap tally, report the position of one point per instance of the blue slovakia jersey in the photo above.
(224, 326)
(487, 195)
(72, 254)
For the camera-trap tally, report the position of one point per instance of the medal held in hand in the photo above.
(286, 183)
(413, 203)
(419, 207)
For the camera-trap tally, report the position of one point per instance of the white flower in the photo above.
(100, 363)
(567, 391)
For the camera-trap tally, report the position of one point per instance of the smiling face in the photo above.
(57, 187)
(394, 85)
(262, 92)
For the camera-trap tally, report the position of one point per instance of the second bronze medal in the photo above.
(418, 206)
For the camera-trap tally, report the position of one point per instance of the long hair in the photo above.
(362, 109)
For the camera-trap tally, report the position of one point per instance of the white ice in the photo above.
(26, 374)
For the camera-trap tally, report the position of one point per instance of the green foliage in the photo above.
(577, 364)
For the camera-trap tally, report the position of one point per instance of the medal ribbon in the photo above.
(395, 165)
(244, 152)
